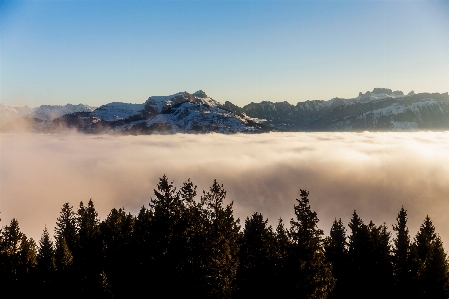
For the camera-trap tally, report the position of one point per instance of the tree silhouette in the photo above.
(89, 255)
(46, 266)
(257, 259)
(117, 234)
(222, 243)
(337, 253)
(431, 266)
(402, 263)
(313, 278)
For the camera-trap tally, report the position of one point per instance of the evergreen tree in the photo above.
(257, 258)
(117, 233)
(430, 261)
(66, 227)
(222, 244)
(142, 257)
(336, 251)
(89, 256)
(26, 268)
(63, 256)
(67, 246)
(402, 267)
(17, 260)
(370, 266)
(46, 264)
(282, 279)
(166, 234)
(314, 273)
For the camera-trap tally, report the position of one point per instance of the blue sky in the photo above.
(95, 52)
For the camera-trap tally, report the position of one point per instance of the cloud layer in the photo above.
(373, 173)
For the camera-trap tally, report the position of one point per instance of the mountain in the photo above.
(182, 112)
(51, 112)
(379, 110)
(8, 114)
(44, 112)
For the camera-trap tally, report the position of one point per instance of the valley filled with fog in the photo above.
(373, 173)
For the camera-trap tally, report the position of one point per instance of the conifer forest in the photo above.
(190, 245)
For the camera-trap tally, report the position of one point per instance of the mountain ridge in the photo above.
(380, 110)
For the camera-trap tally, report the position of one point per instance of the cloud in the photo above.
(374, 173)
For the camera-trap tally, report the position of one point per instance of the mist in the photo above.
(373, 173)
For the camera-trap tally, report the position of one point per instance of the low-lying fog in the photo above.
(374, 173)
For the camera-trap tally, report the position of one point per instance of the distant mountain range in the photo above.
(379, 110)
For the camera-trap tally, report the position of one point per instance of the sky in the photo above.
(96, 52)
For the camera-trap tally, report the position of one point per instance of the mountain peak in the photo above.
(382, 90)
(200, 94)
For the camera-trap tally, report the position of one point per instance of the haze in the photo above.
(374, 173)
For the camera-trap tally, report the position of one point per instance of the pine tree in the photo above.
(26, 269)
(66, 227)
(431, 265)
(314, 278)
(17, 261)
(370, 266)
(336, 251)
(63, 256)
(117, 233)
(89, 257)
(401, 257)
(46, 264)
(282, 282)
(257, 258)
(10, 262)
(222, 244)
(167, 209)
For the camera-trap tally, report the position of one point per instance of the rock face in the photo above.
(379, 110)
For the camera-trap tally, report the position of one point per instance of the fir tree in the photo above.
(314, 272)
(222, 246)
(26, 268)
(89, 257)
(167, 209)
(401, 257)
(282, 279)
(117, 233)
(370, 266)
(257, 258)
(66, 227)
(431, 265)
(336, 251)
(46, 264)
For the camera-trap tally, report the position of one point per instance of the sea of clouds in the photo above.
(373, 173)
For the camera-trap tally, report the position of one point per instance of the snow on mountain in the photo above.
(117, 111)
(157, 104)
(51, 112)
(183, 112)
(199, 116)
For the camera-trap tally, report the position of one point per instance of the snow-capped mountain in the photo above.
(183, 112)
(381, 109)
(117, 111)
(51, 112)
(44, 112)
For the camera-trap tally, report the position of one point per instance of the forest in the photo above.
(187, 245)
